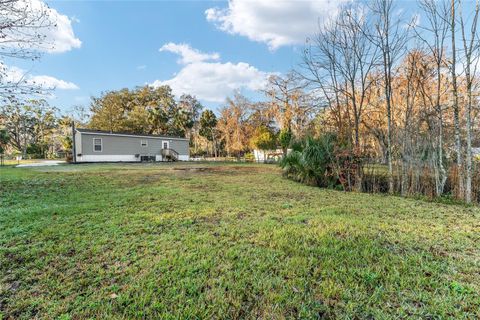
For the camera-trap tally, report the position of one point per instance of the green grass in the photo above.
(228, 241)
(13, 162)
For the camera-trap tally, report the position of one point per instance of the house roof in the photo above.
(92, 131)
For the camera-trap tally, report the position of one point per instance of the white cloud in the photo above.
(62, 35)
(141, 67)
(214, 81)
(56, 28)
(187, 53)
(211, 80)
(53, 83)
(276, 23)
(16, 75)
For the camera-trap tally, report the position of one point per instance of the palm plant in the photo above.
(313, 164)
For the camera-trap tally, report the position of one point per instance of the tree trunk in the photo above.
(215, 151)
(442, 172)
(404, 176)
(468, 48)
(442, 178)
(388, 90)
(357, 151)
(405, 149)
(387, 65)
(456, 112)
(468, 182)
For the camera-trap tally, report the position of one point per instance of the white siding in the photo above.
(106, 158)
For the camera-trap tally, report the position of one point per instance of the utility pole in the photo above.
(74, 149)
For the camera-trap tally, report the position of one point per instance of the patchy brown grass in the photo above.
(226, 241)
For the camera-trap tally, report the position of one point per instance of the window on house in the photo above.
(97, 144)
(144, 143)
(165, 144)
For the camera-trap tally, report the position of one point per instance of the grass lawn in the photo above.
(13, 162)
(234, 241)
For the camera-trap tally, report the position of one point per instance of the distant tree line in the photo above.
(28, 125)
(235, 130)
(34, 129)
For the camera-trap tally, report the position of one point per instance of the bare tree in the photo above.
(390, 36)
(437, 30)
(413, 79)
(232, 125)
(456, 108)
(289, 104)
(319, 66)
(22, 36)
(471, 56)
(80, 114)
(339, 63)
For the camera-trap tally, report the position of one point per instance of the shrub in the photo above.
(314, 164)
(325, 162)
(297, 145)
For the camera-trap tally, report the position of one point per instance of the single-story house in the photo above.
(103, 146)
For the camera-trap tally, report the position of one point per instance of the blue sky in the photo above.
(120, 42)
(205, 48)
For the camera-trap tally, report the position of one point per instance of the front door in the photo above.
(165, 145)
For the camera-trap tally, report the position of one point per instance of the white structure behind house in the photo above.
(268, 155)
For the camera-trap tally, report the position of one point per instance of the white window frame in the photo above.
(168, 144)
(101, 144)
(142, 141)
